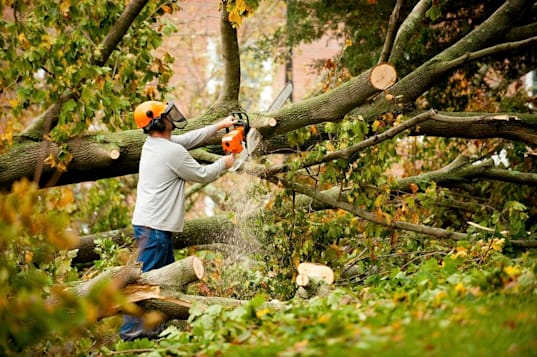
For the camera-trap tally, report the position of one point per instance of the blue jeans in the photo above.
(155, 250)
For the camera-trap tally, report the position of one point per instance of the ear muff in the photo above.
(155, 124)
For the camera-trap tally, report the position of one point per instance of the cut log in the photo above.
(317, 270)
(312, 286)
(176, 275)
(313, 280)
(179, 306)
(117, 277)
(157, 290)
(302, 280)
(158, 284)
(383, 76)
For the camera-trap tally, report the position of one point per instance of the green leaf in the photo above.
(434, 12)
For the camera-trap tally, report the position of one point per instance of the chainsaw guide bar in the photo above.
(243, 136)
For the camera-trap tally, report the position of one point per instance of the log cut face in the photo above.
(313, 280)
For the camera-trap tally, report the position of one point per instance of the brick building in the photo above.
(196, 48)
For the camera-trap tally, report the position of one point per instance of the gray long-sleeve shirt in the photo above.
(165, 165)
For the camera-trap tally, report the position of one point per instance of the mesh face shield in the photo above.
(174, 116)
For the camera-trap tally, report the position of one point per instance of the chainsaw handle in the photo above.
(242, 119)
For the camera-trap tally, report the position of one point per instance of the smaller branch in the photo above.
(522, 178)
(516, 33)
(449, 173)
(508, 126)
(48, 120)
(489, 51)
(119, 30)
(392, 29)
(373, 217)
(45, 122)
(462, 170)
(407, 28)
(349, 153)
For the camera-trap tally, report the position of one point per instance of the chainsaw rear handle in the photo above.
(242, 120)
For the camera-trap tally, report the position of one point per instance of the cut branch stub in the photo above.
(382, 76)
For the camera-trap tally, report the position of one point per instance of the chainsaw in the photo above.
(243, 139)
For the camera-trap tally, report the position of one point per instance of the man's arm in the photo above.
(197, 137)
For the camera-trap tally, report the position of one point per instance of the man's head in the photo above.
(153, 115)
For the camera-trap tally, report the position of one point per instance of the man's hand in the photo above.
(229, 161)
(227, 122)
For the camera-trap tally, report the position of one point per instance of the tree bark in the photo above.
(217, 229)
(158, 284)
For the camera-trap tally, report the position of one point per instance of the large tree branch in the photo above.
(521, 127)
(425, 76)
(196, 232)
(117, 154)
(330, 106)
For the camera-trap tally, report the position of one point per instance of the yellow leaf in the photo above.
(379, 200)
(91, 313)
(153, 318)
(67, 198)
(387, 217)
(235, 19)
(330, 147)
(512, 271)
(24, 41)
(323, 319)
(50, 160)
(376, 125)
(167, 9)
(440, 296)
(261, 313)
(28, 257)
(461, 252)
(497, 244)
(460, 288)
(65, 8)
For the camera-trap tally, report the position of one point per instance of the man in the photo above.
(165, 165)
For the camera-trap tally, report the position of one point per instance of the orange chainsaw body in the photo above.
(232, 142)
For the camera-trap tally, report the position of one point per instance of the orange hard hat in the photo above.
(147, 111)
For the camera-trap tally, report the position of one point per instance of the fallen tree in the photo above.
(384, 96)
(159, 290)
